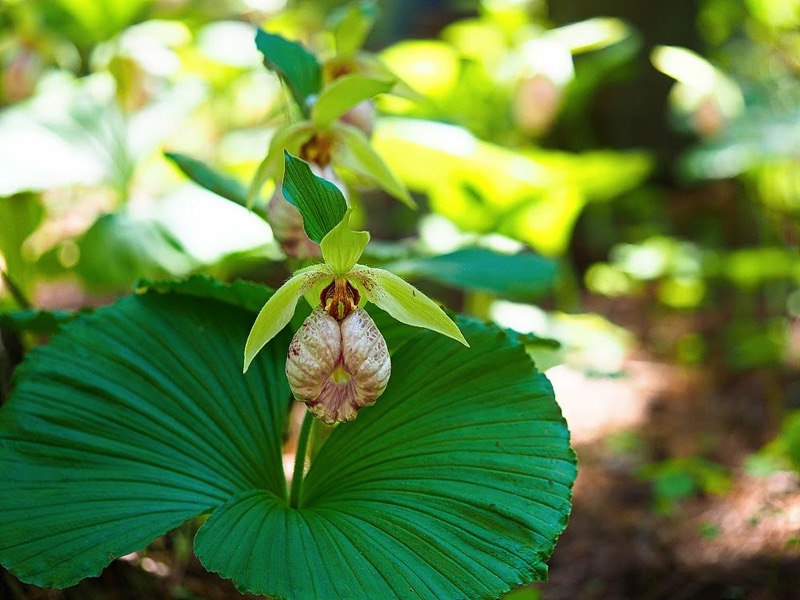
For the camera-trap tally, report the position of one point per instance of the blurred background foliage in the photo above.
(581, 177)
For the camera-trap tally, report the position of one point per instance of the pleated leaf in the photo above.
(131, 421)
(456, 484)
(134, 418)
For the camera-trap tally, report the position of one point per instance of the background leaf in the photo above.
(512, 275)
(43, 322)
(319, 201)
(298, 68)
(20, 215)
(206, 177)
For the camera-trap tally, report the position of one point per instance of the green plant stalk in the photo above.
(15, 291)
(300, 459)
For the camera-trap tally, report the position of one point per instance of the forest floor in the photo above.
(739, 543)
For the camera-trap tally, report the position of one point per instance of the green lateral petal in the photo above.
(290, 138)
(295, 65)
(343, 94)
(321, 203)
(404, 302)
(355, 152)
(278, 310)
(342, 247)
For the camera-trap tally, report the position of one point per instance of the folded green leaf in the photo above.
(43, 322)
(296, 66)
(343, 94)
(208, 178)
(319, 201)
(355, 152)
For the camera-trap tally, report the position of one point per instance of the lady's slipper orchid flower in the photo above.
(338, 360)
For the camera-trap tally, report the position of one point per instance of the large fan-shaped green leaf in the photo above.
(136, 417)
(454, 485)
(129, 422)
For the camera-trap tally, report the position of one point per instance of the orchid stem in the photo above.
(300, 459)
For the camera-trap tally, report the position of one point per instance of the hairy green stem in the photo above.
(300, 459)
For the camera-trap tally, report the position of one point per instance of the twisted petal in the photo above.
(403, 301)
(278, 310)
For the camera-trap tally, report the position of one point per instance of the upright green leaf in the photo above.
(357, 154)
(206, 177)
(351, 27)
(343, 94)
(319, 201)
(298, 68)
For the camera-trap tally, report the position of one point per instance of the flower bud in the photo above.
(536, 104)
(362, 115)
(336, 367)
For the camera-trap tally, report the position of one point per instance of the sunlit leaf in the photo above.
(99, 21)
(20, 215)
(319, 201)
(120, 248)
(298, 68)
(343, 94)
